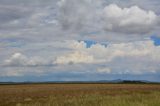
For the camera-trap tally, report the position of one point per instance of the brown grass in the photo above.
(11, 95)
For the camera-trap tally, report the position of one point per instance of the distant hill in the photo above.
(117, 81)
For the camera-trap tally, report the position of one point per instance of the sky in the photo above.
(79, 40)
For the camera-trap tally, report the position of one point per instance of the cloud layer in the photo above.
(72, 39)
(74, 19)
(88, 14)
(138, 57)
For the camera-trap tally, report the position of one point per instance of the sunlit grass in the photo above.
(80, 95)
(137, 99)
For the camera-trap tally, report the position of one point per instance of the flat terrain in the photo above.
(80, 95)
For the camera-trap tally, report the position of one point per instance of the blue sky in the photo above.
(156, 40)
(75, 40)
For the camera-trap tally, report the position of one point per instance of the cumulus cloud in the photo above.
(78, 52)
(75, 57)
(90, 16)
(18, 59)
(124, 58)
(129, 20)
(114, 58)
(113, 50)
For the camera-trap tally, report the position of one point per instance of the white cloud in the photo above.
(77, 52)
(18, 59)
(75, 57)
(104, 70)
(129, 20)
(90, 16)
(113, 50)
(133, 57)
(124, 58)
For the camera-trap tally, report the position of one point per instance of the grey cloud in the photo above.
(78, 15)
(91, 16)
(68, 19)
(17, 14)
(11, 15)
(39, 25)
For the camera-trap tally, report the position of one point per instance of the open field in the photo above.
(80, 95)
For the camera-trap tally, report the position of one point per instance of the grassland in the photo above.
(80, 95)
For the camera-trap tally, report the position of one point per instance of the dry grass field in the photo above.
(80, 95)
